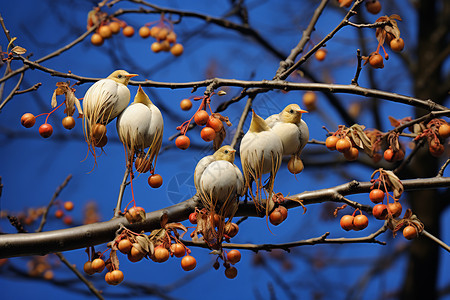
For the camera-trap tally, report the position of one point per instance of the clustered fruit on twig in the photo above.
(166, 38)
(213, 122)
(107, 28)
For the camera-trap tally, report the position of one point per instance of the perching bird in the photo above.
(104, 101)
(293, 132)
(140, 126)
(219, 182)
(261, 152)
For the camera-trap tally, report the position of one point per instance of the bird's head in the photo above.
(292, 114)
(141, 97)
(258, 124)
(121, 76)
(225, 153)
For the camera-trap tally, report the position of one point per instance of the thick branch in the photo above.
(24, 244)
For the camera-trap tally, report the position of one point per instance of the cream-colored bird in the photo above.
(219, 182)
(104, 101)
(293, 132)
(140, 126)
(261, 152)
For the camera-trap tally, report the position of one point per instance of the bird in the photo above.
(293, 132)
(103, 102)
(261, 152)
(219, 182)
(140, 126)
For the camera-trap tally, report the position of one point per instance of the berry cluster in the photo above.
(166, 38)
(213, 122)
(372, 6)
(107, 28)
(435, 132)
(348, 140)
(352, 222)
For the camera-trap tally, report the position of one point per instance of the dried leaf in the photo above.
(395, 183)
(177, 226)
(54, 102)
(139, 248)
(220, 137)
(10, 43)
(18, 50)
(164, 219)
(143, 241)
(394, 121)
(114, 259)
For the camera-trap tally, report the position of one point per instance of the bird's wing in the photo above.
(155, 132)
(272, 120)
(304, 135)
(240, 184)
(200, 168)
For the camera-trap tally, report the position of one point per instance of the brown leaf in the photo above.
(54, 102)
(144, 242)
(164, 219)
(18, 50)
(395, 183)
(394, 121)
(114, 259)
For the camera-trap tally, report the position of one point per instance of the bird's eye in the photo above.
(226, 152)
(119, 76)
(291, 111)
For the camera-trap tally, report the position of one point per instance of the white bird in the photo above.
(293, 132)
(140, 126)
(261, 152)
(219, 182)
(104, 101)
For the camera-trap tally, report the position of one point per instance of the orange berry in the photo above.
(68, 205)
(115, 27)
(144, 32)
(186, 104)
(59, 213)
(45, 130)
(231, 229)
(135, 255)
(310, 100)
(231, 272)
(161, 254)
(128, 31)
(360, 222)
(28, 120)
(331, 141)
(343, 145)
(155, 181)
(208, 134)
(389, 155)
(105, 31)
(233, 256)
(320, 54)
(98, 131)
(171, 37)
(177, 49)
(410, 232)
(162, 34)
(154, 31)
(98, 265)
(283, 210)
(351, 154)
(397, 45)
(276, 217)
(182, 142)
(68, 220)
(380, 212)
(135, 214)
(96, 39)
(177, 249)
(201, 117)
(125, 246)
(188, 263)
(373, 6)
(116, 277)
(395, 208)
(165, 46)
(444, 131)
(193, 218)
(347, 222)
(376, 61)
(376, 196)
(68, 122)
(214, 123)
(88, 268)
(156, 47)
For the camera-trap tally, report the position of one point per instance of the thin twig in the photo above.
(13, 91)
(55, 195)
(79, 275)
(121, 192)
(441, 171)
(358, 67)
(435, 239)
(240, 125)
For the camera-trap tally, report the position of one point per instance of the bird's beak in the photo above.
(303, 111)
(131, 75)
(233, 151)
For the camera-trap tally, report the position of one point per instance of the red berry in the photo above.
(178, 250)
(231, 272)
(193, 218)
(395, 208)
(320, 54)
(201, 117)
(373, 6)
(208, 134)
(155, 181)
(360, 222)
(214, 123)
(410, 232)
(233, 256)
(276, 217)
(45, 130)
(380, 212)
(188, 263)
(343, 145)
(68, 205)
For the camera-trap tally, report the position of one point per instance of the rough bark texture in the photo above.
(423, 265)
